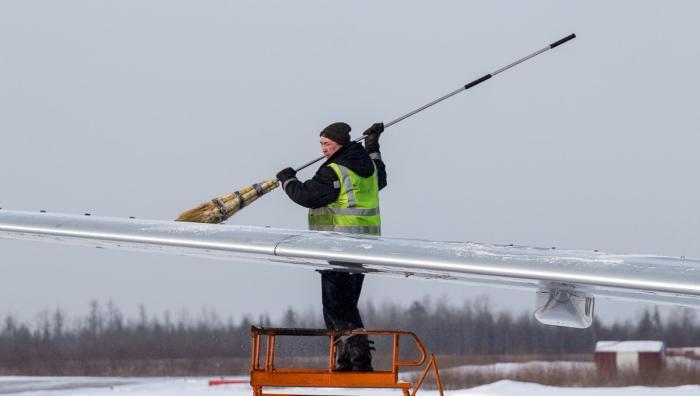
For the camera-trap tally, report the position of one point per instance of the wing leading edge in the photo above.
(566, 280)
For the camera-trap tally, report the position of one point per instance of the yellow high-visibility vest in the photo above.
(356, 210)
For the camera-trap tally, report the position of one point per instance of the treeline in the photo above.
(104, 335)
(473, 328)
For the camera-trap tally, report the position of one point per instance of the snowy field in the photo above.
(197, 386)
(81, 386)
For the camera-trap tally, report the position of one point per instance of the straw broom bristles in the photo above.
(220, 209)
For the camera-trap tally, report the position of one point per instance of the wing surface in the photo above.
(658, 279)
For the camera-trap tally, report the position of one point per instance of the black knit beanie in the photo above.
(338, 132)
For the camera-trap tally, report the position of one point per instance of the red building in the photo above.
(629, 357)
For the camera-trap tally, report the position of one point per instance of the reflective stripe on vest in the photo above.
(374, 230)
(345, 211)
(356, 210)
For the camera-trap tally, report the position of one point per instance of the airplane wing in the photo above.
(565, 282)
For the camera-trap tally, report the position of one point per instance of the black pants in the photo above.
(340, 293)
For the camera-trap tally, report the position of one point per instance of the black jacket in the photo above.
(321, 190)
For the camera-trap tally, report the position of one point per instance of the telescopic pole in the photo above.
(455, 92)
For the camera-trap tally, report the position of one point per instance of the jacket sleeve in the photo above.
(317, 192)
(376, 157)
(381, 172)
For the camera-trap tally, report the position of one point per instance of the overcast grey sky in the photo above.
(146, 108)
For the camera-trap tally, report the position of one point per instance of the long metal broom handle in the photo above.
(455, 92)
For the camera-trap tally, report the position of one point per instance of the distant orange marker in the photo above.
(225, 381)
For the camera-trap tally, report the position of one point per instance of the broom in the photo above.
(220, 209)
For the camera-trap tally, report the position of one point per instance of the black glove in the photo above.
(286, 174)
(372, 137)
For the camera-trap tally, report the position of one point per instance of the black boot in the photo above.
(359, 353)
(342, 356)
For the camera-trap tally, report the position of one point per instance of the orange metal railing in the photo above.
(267, 375)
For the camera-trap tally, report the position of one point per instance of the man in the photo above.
(343, 196)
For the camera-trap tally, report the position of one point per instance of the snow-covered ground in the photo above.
(513, 368)
(83, 386)
(103, 386)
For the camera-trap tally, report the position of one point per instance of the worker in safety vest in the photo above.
(343, 196)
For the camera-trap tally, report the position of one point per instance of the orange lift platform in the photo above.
(268, 375)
